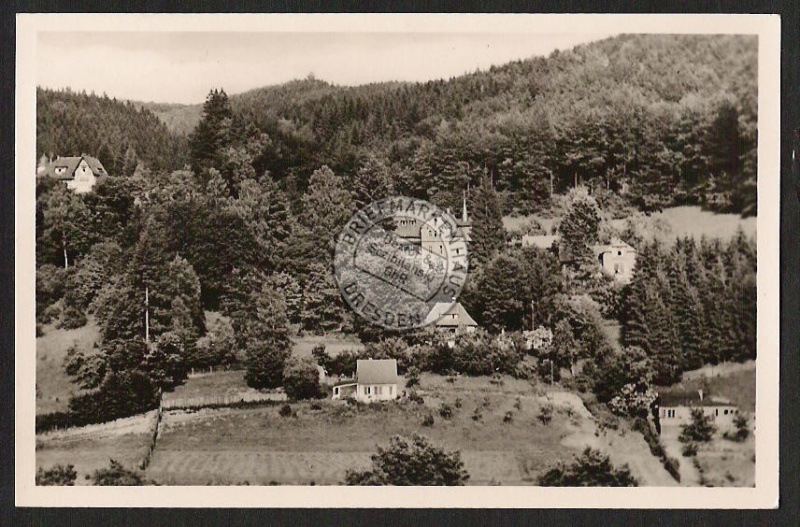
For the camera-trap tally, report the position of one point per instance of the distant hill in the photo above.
(671, 119)
(179, 118)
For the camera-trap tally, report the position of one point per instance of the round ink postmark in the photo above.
(397, 259)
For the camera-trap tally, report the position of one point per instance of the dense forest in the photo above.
(662, 119)
(116, 132)
(239, 218)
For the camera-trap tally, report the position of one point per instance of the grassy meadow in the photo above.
(667, 225)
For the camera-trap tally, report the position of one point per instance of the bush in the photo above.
(427, 420)
(446, 411)
(477, 414)
(265, 361)
(286, 411)
(701, 429)
(411, 461)
(72, 318)
(592, 469)
(671, 465)
(57, 475)
(546, 414)
(474, 353)
(458, 403)
(414, 397)
(50, 287)
(689, 450)
(121, 394)
(509, 417)
(117, 475)
(742, 429)
(301, 378)
(412, 377)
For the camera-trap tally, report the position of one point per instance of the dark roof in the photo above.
(615, 244)
(690, 398)
(71, 163)
(378, 371)
(440, 313)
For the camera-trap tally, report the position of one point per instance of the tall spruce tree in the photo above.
(488, 235)
(580, 228)
(212, 136)
(266, 333)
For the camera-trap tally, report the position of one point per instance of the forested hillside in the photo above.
(116, 132)
(663, 119)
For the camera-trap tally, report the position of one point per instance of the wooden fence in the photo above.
(220, 400)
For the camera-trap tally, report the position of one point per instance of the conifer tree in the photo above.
(266, 334)
(372, 182)
(488, 235)
(327, 205)
(580, 228)
(212, 136)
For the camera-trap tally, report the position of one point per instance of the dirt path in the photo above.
(630, 449)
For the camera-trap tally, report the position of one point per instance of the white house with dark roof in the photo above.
(674, 407)
(80, 173)
(376, 380)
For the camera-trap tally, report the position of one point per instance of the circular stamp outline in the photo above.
(362, 289)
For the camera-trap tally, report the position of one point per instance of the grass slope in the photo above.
(323, 440)
(53, 385)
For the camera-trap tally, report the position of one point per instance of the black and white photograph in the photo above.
(398, 251)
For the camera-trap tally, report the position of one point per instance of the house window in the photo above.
(336, 391)
(619, 253)
(716, 412)
(617, 268)
(366, 390)
(725, 412)
(390, 390)
(377, 390)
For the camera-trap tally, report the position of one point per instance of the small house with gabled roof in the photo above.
(376, 380)
(450, 317)
(80, 173)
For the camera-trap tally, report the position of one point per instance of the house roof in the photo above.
(71, 163)
(616, 243)
(407, 227)
(673, 398)
(376, 371)
(438, 315)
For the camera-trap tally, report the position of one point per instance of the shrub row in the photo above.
(671, 465)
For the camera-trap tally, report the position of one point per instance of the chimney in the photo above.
(700, 393)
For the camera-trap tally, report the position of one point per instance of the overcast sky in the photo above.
(181, 67)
